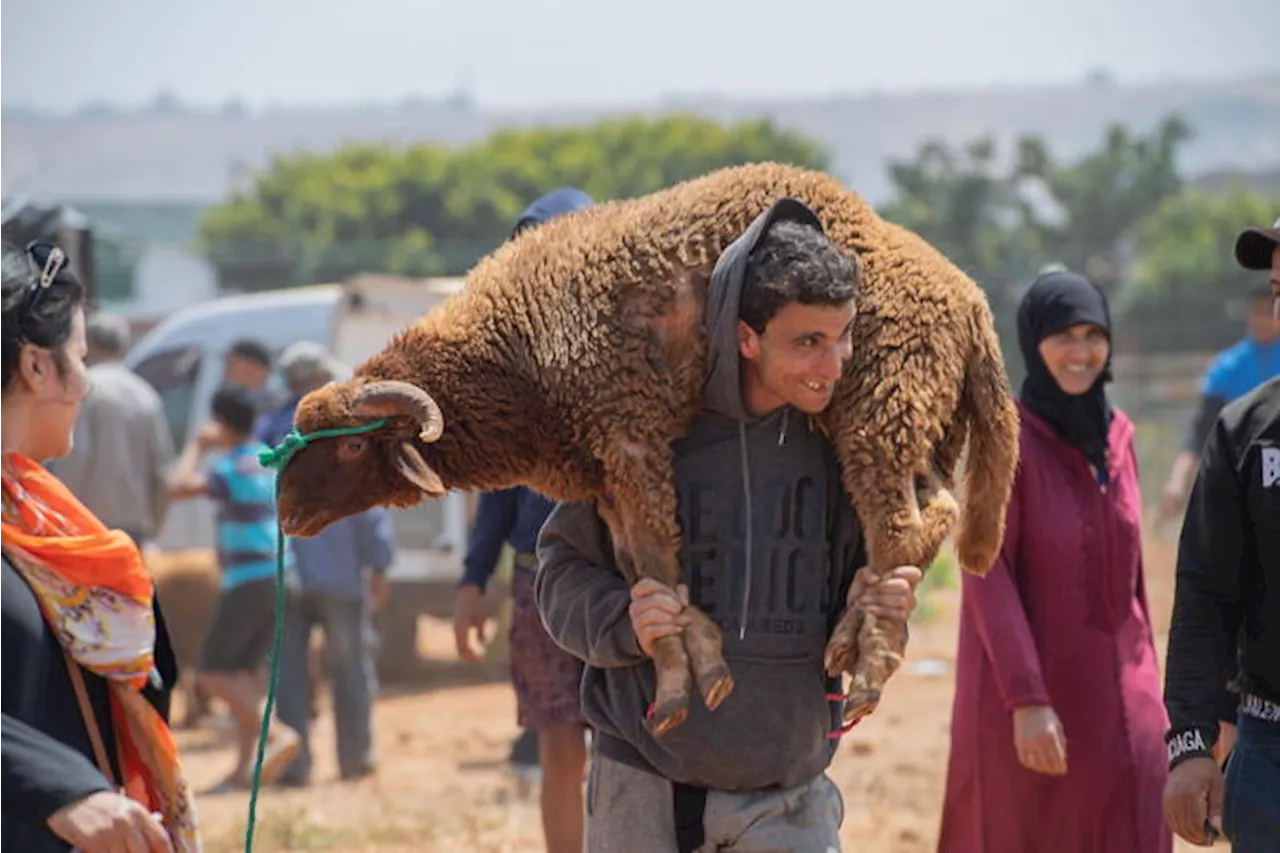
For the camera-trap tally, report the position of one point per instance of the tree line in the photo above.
(1123, 213)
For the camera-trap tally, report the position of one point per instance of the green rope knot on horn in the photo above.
(276, 458)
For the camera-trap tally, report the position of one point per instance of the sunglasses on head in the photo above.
(48, 260)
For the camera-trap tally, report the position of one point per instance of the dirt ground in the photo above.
(443, 785)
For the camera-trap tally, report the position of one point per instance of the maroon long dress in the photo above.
(1062, 620)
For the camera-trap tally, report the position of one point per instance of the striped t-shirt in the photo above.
(245, 494)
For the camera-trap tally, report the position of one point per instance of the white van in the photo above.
(182, 358)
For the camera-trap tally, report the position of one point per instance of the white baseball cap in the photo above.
(305, 360)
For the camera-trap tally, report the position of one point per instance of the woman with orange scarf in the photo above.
(89, 761)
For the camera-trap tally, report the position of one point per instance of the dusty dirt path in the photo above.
(442, 784)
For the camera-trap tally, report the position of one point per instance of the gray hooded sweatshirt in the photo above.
(767, 488)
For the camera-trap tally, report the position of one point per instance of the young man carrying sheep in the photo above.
(770, 545)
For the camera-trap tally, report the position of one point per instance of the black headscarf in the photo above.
(1057, 301)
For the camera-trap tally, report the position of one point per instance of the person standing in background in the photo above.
(342, 578)
(123, 448)
(248, 364)
(1233, 373)
(546, 677)
(1057, 725)
(238, 638)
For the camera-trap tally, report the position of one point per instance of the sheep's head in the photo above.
(332, 478)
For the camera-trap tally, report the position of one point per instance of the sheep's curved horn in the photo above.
(389, 398)
(416, 470)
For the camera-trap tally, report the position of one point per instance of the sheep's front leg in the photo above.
(643, 510)
(670, 659)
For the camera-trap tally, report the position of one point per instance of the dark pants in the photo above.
(1251, 805)
(349, 663)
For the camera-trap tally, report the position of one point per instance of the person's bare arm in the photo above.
(1178, 484)
(187, 480)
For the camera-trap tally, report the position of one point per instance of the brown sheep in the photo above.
(187, 584)
(575, 355)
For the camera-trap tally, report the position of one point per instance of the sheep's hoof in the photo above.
(860, 703)
(674, 685)
(842, 649)
(667, 715)
(705, 644)
(841, 656)
(715, 685)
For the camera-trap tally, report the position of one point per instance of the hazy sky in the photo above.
(60, 53)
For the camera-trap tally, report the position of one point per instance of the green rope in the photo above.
(276, 458)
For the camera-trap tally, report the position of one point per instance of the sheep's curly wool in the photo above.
(575, 355)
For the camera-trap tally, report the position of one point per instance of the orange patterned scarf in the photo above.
(96, 594)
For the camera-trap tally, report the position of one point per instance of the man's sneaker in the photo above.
(523, 757)
(524, 749)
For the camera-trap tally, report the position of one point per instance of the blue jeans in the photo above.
(1251, 805)
(349, 663)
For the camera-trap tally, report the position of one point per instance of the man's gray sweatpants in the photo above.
(629, 809)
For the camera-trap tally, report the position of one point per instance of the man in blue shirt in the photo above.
(336, 596)
(546, 677)
(1233, 373)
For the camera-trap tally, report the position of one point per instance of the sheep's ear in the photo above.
(416, 470)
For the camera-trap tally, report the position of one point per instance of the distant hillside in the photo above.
(197, 157)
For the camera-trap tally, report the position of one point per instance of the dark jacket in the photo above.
(770, 544)
(1226, 610)
(513, 516)
(47, 755)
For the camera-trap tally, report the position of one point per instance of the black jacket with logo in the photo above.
(1226, 612)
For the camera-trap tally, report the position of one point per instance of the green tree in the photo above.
(968, 204)
(1001, 219)
(433, 210)
(1102, 197)
(1186, 279)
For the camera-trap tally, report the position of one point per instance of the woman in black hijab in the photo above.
(1064, 332)
(1057, 728)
